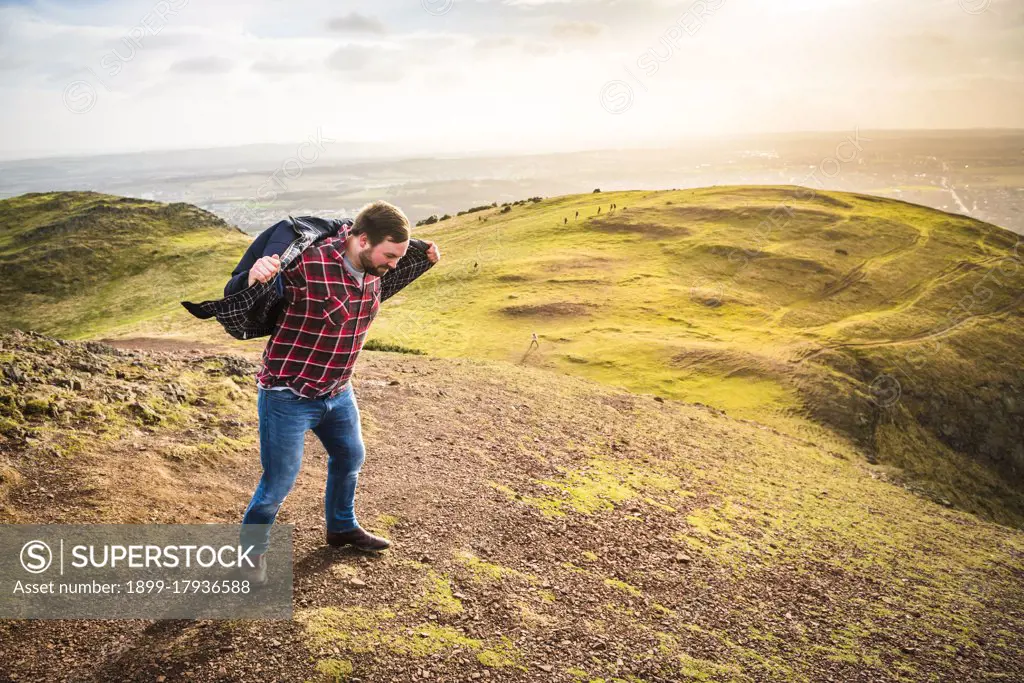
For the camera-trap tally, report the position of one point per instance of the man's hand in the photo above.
(264, 269)
(433, 253)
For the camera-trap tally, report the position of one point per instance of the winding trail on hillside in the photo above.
(920, 337)
(858, 272)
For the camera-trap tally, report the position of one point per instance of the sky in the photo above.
(458, 76)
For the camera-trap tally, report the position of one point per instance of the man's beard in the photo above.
(367, 265)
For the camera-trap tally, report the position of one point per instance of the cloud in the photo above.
(526, 68)
(577, 30)
(357, 23)
(485, 45)
(349, 58)
(278, 67)
(202, 65)
(536, 3)
(367, 64)
(59, 72)
(166, 40)
(14, 64)
(538, 48)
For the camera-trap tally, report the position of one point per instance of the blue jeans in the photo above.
(284, 420)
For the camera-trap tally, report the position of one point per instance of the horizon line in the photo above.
(484, 151)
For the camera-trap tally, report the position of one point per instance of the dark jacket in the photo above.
(273, 240)
(247, 312)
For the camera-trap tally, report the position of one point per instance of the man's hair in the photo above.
(381, 221)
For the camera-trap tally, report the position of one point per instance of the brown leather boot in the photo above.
(358, 538)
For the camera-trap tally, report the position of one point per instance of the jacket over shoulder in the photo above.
(248, 312)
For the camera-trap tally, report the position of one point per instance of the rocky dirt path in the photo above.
(545, 528)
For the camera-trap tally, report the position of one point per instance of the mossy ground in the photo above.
(70, 412)
(684, 545)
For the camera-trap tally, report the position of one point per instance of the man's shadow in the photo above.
(321, 559)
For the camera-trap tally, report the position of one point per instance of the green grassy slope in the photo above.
(892, 324)
(897, 324)
(84, 264)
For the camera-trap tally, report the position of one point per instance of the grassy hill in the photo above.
(85, 264)
(892, 325)
(546, 528)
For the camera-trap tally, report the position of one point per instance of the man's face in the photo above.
(380, 259)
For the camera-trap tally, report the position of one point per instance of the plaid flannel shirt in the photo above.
(320, 329)
(314, 349)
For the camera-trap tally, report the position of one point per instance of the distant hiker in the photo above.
(332, 291)
(577, 216)
(565, 221)
(534, 341)
(599, 211)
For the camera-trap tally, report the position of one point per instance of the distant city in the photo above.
(975, 173)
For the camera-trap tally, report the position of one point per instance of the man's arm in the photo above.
(273, 240)
(410, 267)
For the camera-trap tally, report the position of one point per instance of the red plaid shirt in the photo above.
(325, 320)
